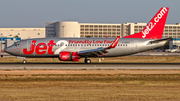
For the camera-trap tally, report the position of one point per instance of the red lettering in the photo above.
(70, 41)
(31, 48)
(51, 43)
(97, 42)
(107, 42)
(41, 46)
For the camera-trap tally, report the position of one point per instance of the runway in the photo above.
(65, 66)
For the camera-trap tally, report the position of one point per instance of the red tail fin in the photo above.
(154, 29)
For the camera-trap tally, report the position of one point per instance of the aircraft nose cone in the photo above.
(3, 51)
(7, 50)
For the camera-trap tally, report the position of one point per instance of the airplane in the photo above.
(72, 49)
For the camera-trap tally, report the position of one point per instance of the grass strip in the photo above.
(91, 77)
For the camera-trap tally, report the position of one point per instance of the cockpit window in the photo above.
(16, 44)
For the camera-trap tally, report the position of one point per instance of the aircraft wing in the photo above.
(99, 52)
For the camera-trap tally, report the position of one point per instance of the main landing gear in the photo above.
(87, 61)
(24, 61)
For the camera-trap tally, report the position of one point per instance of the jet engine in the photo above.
(68, 56)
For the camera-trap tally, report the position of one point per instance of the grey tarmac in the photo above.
(74, 66)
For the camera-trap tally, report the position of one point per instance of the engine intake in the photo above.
(68, 56)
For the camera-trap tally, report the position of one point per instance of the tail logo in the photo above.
(152, 23)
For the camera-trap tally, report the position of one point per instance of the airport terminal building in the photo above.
(23, 33)
(75, 29)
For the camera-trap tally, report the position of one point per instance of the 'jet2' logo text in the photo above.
(41, 48)
(151, 24)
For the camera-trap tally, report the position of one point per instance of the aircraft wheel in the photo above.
(88, 61)
(24, 61)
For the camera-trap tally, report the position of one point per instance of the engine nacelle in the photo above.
(68, 56)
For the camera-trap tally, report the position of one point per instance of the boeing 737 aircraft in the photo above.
(72, 49)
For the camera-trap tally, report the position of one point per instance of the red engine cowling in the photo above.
(68, 56)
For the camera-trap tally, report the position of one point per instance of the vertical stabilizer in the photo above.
(154, 29)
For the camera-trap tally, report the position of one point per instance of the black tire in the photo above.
(87, 61)
(24, 61)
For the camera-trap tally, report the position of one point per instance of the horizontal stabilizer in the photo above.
(159, 40)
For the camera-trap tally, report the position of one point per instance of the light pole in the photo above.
(63, 30)
(1, 43)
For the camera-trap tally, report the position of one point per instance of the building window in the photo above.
(136, 27)
(1, 33)
(38, 34)
(95, 26)
(18, 33)
(104, 26)
(114, 26)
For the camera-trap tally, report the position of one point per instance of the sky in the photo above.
(35, 13)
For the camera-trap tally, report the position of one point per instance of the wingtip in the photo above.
(114, 44)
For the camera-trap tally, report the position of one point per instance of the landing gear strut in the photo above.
(87, 61)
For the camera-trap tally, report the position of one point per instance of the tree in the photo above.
(16, 36)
